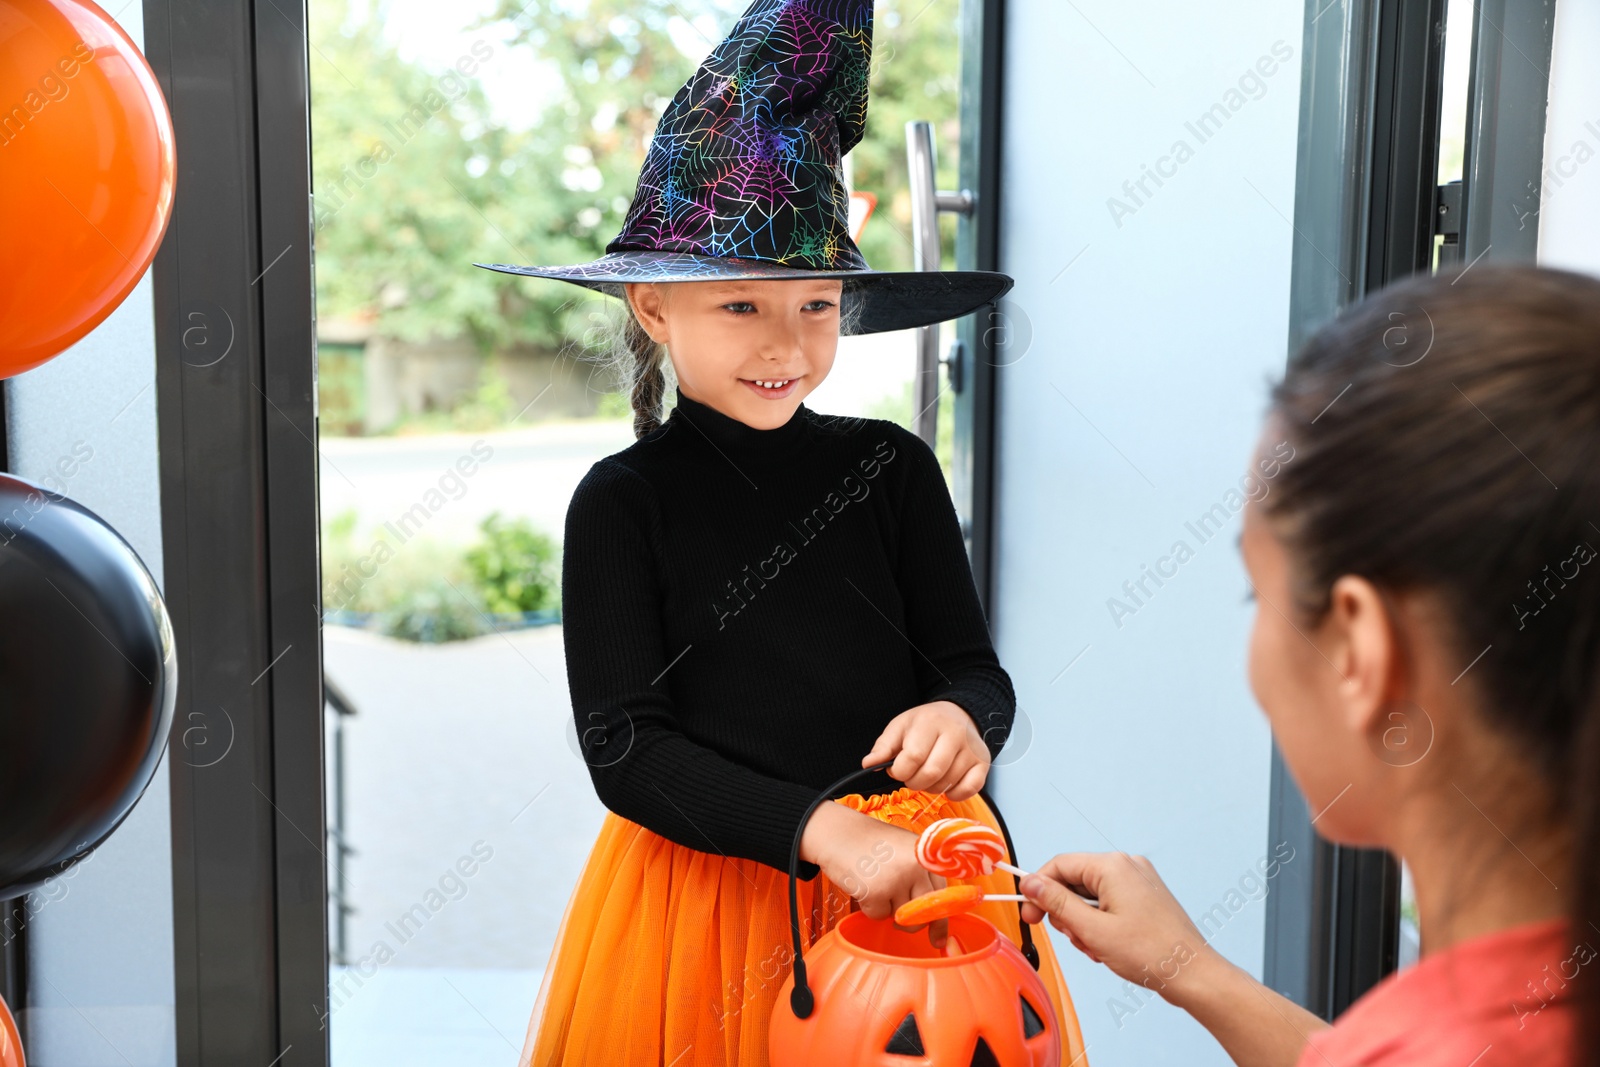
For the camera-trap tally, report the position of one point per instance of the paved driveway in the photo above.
(458, 760)
(470, 813)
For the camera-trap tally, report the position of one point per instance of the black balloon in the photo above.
(88, 681)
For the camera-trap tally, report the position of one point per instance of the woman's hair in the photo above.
(1446, 435)
(642, 367)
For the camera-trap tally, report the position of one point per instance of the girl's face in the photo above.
(753, 350)
(1325, 689)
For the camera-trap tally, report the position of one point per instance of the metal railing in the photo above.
(339, 848)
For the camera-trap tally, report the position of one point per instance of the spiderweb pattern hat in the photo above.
(744, 177)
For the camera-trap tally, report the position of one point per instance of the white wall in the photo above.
(1569, 210)
(1133, 411)
(100, 950)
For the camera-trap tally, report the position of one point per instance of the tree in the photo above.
(620, 68)
(414, 181)
(390, 147)
(916, 67)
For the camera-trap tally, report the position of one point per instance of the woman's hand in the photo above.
(936, 747)
(873, 861)
(1142, 933)
(1139, 930)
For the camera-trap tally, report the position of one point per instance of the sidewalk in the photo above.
(471, 816)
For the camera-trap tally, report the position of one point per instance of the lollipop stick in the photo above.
(1004, 896)
(1020, 873)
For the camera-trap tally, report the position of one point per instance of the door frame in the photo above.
(237, 422)
(982, 336)
(13, 910)
(240, 508)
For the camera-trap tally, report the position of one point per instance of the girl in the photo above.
(1428, 655)
(757, 599)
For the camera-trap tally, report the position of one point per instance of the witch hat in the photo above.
(744, 177)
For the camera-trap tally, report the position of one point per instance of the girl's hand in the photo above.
(873, 861)
(1139, 930)
(936, 747)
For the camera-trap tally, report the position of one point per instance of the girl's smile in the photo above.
(771, 388)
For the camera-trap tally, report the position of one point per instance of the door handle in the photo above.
(927, 202)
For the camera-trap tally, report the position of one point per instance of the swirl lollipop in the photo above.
(963, 848)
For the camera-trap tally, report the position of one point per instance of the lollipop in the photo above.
(962, 848)
(943, 903)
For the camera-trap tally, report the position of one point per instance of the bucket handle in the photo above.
(801, 1000)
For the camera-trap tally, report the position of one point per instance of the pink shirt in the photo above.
(1496, 1000)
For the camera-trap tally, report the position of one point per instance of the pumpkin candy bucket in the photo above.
(873, 995)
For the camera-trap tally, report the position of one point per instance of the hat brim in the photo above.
(887, 300)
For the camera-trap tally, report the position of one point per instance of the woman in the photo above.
(1427, 651)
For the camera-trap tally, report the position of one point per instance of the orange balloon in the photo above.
(10, 1040)
(87, 170)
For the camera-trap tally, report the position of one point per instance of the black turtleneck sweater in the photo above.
(744, 611)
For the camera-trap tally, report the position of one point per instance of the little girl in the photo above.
(1427, 651)
(758, 600)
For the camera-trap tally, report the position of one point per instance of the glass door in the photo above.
(458, 410)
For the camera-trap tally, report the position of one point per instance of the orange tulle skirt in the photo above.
(672, 957)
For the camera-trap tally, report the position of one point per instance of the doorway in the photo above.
(458, 410)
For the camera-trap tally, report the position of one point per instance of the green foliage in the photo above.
(428, 590)
(491, 407)
(414, 182)
(515, 566)
(615, 405)
(915, 75)
(397, 219)
(897, 409)
(427, 607)
(340, 590)
(341, 392)
(621, 68)
(419, 590)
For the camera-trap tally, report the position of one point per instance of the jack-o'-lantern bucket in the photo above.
(870, 994)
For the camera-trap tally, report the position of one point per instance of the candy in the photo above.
(939, 904)
(960, 848)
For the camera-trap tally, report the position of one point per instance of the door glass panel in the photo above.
(1453, 98)
(1569, 211)
(458, 410)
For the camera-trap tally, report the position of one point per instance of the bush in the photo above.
(429, 591)
(432, 610)
(515, 566)
(490, 407)
(898, 409)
